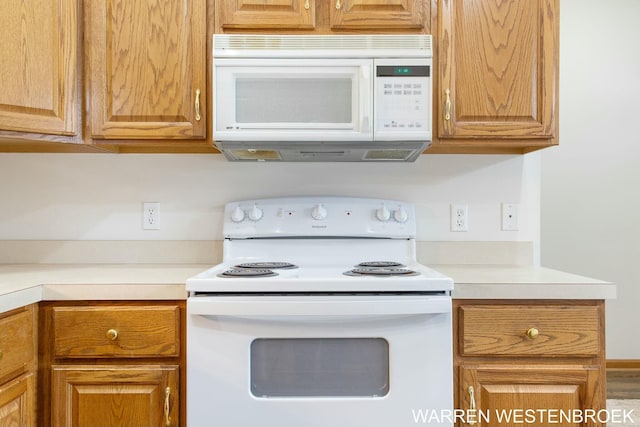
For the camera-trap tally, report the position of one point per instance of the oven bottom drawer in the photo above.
(333, 370)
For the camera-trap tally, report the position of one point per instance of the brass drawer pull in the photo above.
(447, 105)
(112, 334)
(472, 405)
(198, 104)
(306, 4)
(338, 5)
(167, 409)
(532, 333)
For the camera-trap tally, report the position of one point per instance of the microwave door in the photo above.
(293, 99)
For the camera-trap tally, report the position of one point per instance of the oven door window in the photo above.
(320, 367)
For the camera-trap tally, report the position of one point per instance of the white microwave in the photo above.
(322, 97)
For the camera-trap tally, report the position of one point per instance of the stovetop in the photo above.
(322, 240)
(320, 279)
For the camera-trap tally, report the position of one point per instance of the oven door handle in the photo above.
(317, 305)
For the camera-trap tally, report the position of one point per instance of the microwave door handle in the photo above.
(366, 93)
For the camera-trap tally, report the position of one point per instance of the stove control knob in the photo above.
(255, 213)
(237, 215)
(400, 215)
(383, 213)
(319, 212)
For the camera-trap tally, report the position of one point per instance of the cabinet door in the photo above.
(17, 402)
(38, 66)
(539, 392)
(146, 66)
(405, 14)
(103, 395)
(276, 14)
(498, 68)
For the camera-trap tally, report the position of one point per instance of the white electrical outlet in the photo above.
(151, 216)
(459, 217)
(509, 217)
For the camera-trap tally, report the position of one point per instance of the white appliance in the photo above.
(322, 97)
(318, 316)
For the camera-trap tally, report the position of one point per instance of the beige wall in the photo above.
(99, 197)
(590, 202)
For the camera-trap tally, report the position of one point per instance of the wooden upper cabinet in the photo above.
(406, 15)
(266, 14)
(146, 68)
(38, 66)
(498, 69)
(400, 14)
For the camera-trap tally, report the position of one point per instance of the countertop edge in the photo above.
(25, 284)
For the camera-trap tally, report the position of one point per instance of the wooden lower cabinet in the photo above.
(103, 395)
(17, 402)
(112, 363)
(18, 340)
(529, 362)
(527, 395)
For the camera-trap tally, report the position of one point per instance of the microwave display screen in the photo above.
(403, 71)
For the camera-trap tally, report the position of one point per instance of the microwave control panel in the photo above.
(402, 99)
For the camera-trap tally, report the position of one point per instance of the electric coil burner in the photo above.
(267, 265)
(381, 272)
(318, 338)
(247, 272)
(380, 264)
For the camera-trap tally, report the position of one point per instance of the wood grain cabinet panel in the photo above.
(97, 395)
(16, 342)
(542, 390)
(17, 402)
(39, 66)
(555, 331)
(18, 367)
(372, 14)
(267, 14)
(146, 68)
(498, 71)
(332, 15)
(112, 331)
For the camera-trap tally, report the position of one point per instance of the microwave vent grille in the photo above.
(379, 155)
(227, 44)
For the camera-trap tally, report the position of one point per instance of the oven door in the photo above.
(319, 361)
(293, 99)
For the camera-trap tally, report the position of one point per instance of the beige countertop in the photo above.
(22, 284)
(520, 282)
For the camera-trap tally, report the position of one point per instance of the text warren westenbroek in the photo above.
(523, 416)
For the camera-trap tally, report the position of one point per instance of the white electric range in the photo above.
(319, 315)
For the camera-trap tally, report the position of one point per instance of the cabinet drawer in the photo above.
(115, 331)
(520, 330)
(16, 342)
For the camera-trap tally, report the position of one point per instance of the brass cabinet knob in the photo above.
(112, 334)
(532, 333)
